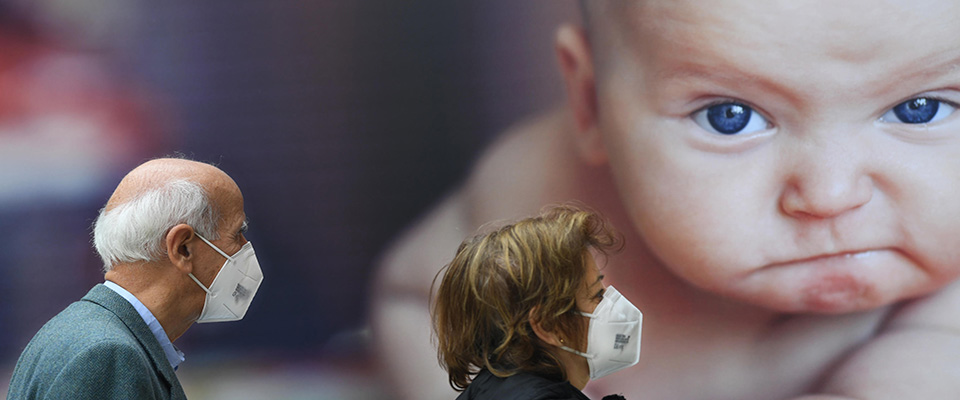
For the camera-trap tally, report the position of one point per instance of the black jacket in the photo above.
(522, 386)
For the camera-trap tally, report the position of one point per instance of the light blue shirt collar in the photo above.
(174, 355)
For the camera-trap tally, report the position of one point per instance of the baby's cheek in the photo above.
(933, 245)
(705, 248)
(700, 214)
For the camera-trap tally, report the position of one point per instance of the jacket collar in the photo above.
(116, 304)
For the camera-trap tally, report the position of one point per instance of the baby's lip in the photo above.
(826, 257)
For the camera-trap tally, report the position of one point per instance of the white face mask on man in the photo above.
(233, 288)
(613, 339)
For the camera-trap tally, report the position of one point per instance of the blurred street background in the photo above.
(341, 121)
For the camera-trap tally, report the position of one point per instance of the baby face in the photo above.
(801, 156)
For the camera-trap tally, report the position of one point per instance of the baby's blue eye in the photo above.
(730, 119)
(920, 110)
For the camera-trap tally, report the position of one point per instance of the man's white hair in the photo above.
(137, 230)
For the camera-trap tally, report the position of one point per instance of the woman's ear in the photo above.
(546, 336)
(576, 65)
(179, 243)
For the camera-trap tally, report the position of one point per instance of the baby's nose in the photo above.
(822, 185)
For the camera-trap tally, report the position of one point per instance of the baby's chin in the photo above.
(830, 296)
(824, 300)
(836, 298)
(832, 284)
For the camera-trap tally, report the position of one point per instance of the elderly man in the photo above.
(172, 244)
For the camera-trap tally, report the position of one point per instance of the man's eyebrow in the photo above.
(244, 226)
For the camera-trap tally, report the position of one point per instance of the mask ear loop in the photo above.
(214, 247)
(198, 282)
(588, 315)
(205, 289)
(577, 352)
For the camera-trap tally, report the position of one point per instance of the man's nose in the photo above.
(826, 180)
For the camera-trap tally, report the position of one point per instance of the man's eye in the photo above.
(920, 110)
(730, 118)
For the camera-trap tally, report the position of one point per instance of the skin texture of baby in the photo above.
(785, 176)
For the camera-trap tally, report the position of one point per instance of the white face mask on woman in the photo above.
(613, 339)
(233, 288)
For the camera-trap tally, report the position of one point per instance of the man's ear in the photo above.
(546, 336)
(179, 242)
(576, 64)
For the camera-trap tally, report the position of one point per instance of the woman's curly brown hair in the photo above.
(499, 281)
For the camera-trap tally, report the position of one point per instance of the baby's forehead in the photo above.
(829, 15)
(861, 33)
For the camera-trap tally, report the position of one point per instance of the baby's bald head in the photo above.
(608, 25)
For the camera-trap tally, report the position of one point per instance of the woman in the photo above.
(522, 312)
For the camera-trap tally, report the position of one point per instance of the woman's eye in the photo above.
(921, 110)
(730, 118)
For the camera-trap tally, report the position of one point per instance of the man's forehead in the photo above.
(231, 211)
(243, 223)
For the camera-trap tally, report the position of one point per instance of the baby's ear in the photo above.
(576, 64)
